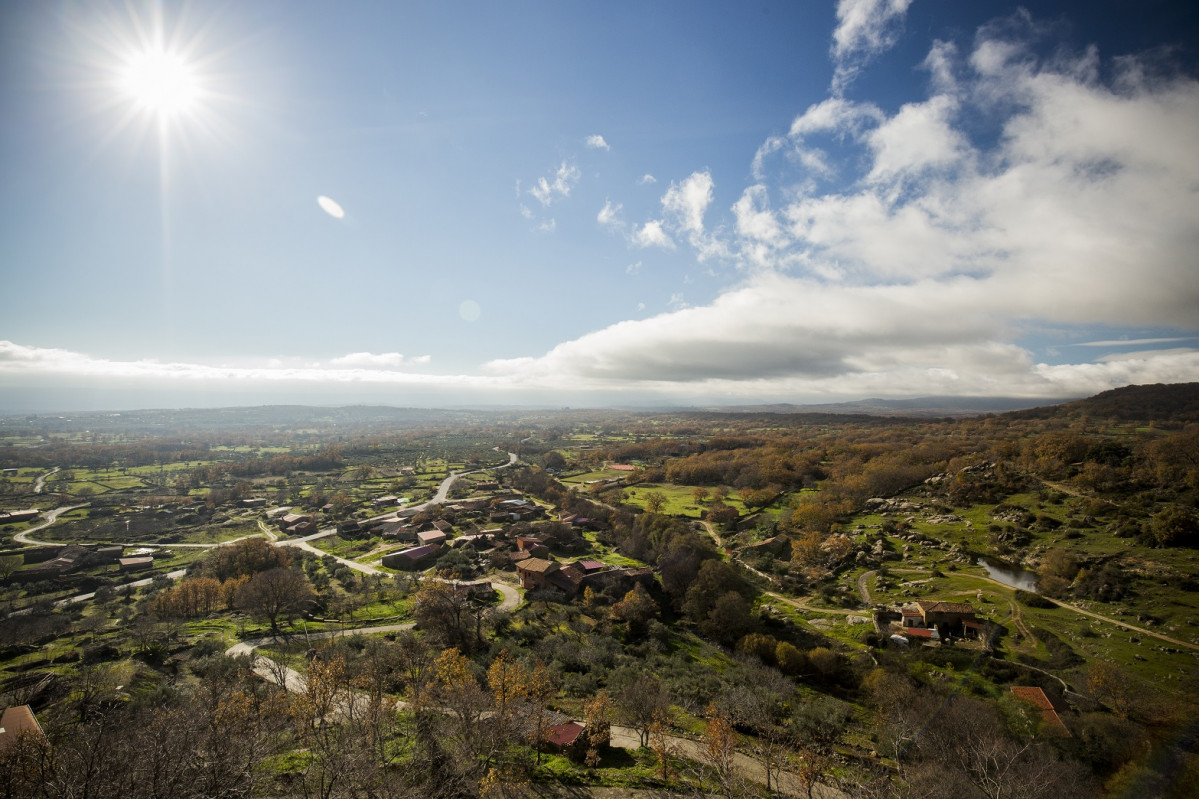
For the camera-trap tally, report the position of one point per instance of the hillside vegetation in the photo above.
(733, 604)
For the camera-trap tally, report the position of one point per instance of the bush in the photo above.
(1030, 600)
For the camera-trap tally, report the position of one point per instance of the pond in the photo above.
(1011, 576)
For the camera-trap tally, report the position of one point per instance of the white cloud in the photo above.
(633, 268)
(651, 234)
(19, 361)
(865, 28)
(687, 202)
(916, 273)
(369, 360)
(918, 138)
(1135, 342)
(596, 142)
(646, 180)
(609, 215)
(548, 191)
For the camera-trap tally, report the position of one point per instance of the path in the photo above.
(1123, 624)
(51, 518)
(863, 588)
(40, 483)
(622, 737)
(443, 491)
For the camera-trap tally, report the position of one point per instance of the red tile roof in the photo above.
(17, 721)
(564, 734)
(537, 565)
(1039, 699)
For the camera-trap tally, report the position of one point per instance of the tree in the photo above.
(275, 594)
(812, 765)
(1175, 526)
(654, 501)
(720, 750)
(730, 619)
(597, 713)
(639, 701)
(658, 736)
(445, 614)
(636, 610)
(8, 565)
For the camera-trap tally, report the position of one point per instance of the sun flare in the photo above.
(161, 82)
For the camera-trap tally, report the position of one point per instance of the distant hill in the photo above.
(1173, 402)
(918, 407)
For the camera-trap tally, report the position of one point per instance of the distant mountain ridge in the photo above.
(1174, 402)
(1178, 402)
(916, 407)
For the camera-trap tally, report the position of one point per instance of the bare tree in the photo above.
(275, 594)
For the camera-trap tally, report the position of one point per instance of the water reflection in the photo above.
(1011, 576)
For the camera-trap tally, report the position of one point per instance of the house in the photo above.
(443, 526)
(292, 519)
(411, 558)
(18, 722)
(533, 572)
(476, 589)
(474, 538)
(431, 537)
(778, 546)
(590, 566)
(568, 738)
(400, 531)
(949, 618)
(620, 580)
(533, 545)
(1041, 701)
(254, 502)
(622, 467)
(136, 564)
(19, 516)
(566, 579)
(379, 502)
(922, 633)
(300, 528)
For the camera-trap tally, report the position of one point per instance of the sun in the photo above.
(161, 82)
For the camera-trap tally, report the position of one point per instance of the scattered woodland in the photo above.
(384, 603)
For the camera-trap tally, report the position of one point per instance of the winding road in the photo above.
(51, 517)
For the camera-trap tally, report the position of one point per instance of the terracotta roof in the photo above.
(537, 565)
(564, 734)
(918, 632)
(587, 564)
(1038, 698)
(14, 722)
(1034, 695)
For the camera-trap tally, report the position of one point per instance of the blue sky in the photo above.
(586, 204)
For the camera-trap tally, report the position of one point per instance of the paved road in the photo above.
(443, 491)
(40, 483)
(293, 681)
(51, 517)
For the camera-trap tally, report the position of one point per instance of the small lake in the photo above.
(1012, 576)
